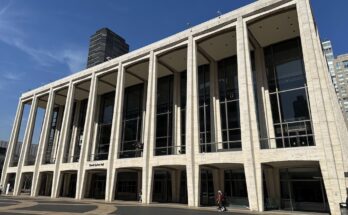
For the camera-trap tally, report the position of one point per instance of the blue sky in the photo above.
(42, 41)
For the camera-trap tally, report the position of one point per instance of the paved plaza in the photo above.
(25, 205)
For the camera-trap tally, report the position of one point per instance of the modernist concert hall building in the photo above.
(241, 103)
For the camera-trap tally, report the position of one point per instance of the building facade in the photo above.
(105, 45)
(3, 148)
(338, 73)
(341, 72)
(330, 57)
(241, 103)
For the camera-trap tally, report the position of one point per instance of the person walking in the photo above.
(220, 199)
(140, 196)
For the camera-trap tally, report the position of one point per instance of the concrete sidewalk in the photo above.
(42, 205)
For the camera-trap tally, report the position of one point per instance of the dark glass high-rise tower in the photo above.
(105, 45)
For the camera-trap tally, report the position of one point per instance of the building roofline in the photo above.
(245, 11)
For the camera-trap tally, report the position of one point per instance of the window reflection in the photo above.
(288, 94)
(164, 145)
(229, 103)
(204, 107)
(131, 145)
(104, 126)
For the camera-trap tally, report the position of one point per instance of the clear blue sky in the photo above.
(41, 41)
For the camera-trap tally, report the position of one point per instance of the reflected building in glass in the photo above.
(241, 103)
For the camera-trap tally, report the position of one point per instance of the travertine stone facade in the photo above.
(75, 159)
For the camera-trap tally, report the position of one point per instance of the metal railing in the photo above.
(135, 153)
(226, 146)
(287, 141)
(169, 150)
(30, 162)
(133, 149)
(71, 159)
(98, 156)
(49, 160)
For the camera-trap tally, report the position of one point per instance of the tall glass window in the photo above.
(288, 94)
(80, 129)
(19, 139)
(131, 145)
(204, 108)
(229, 103)
(35, 138)
(104, 126)
(49, 154)
(164, 143)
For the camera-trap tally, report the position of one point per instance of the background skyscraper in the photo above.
(338, 72)
(341, 70)
(105, 45)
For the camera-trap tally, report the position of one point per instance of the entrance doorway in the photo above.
(45, 183)
(11, 177)
(235, 191)
(207, 196)
(302, 189)
(162, 187)
(170, 185)
(68, 184)
(26, 183)
(128, 187)
(295, 189)
(183, 199)
(96, 184)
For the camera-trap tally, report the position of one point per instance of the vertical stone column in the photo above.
(176, 113)
(91, 106)
(26, 141)
(322, 118)
(215, 104)
(115, 135)
(42, 143)
(92, 145)
(192, 124)
(249, 131)
(149, 131)
(73, 139)
(264, 102)
(63, 140)
(54, 152)
(11, 143)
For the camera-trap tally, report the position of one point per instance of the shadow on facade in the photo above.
(229, 178)
(294, 186)
(169, 184)
(68, 184)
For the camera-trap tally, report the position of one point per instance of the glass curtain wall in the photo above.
(20, 137)
(229, 103)
(207, 194)
(302, 189)
(204, 108)
(164, 143)
(34, 142)
(127, 186)
(236, 192)
(162, 187)
(50, 157)
(104, 126)
(80, 129)
(288, 94)
(131, 145)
